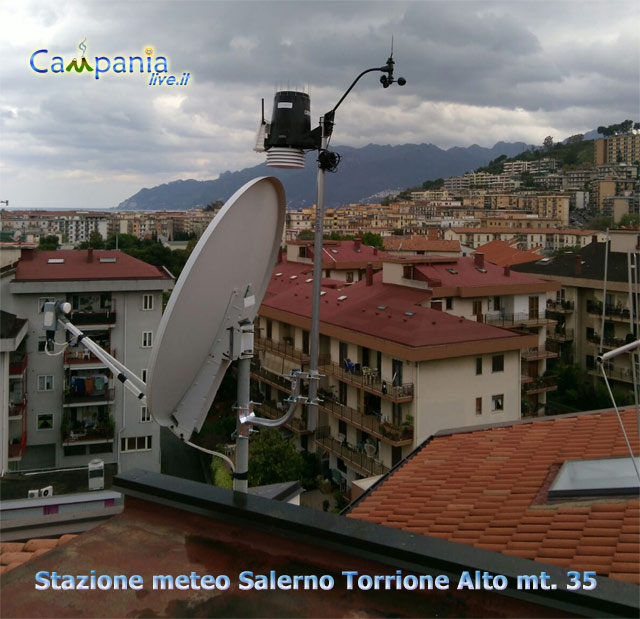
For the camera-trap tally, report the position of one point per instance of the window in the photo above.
(135, 443)
(478, 366)
(349, 277)
(42, 345)
(147, 301)
(42, 301)
(497, 402)
(147, 339)
(449, 303)
(477, 308)
(145, 415)
(143, 375)
(497, 363)
(497, 305)
(45, 421)
(45, 382)
(478, 406)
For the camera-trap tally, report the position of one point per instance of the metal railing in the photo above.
(536, 352)
(370, 382)
(106, 395)
(355, 458)
(83, 356)
(99, 433)
(560, 306)
(612, 311)
(560, 335)
(18, 366)
(509, 320)
(541, 385)
(384, 430)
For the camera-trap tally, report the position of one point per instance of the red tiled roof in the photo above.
(36, 266)
(503, 253)
(360, 311)
(487, 488)
(345, 254)
(489, 230)
(419, 243)
(287, 275)
(468, 274)
(14, 554)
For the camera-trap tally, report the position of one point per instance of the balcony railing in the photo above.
(101, 316)
(622, 374)
(536, 353)
(95, 434)
(542, 385)
(295, 424)
(106, 395)
(17, 409)
(350, 454)
(560, 307)
(84, 357)
(385, 431)
(271, 378)
(501, 319)
(370, 382)
(614, 312)
(560, 335)
(607, 342)
(17, 447)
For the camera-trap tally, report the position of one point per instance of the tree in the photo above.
(630, 220)
(548, 143)
(575, 139)
(601, 222)
(49, 243)
(305, 235)
(214, 205)
(372, 239)
(95, 240)
(273, 459)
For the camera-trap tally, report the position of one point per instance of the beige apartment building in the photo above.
(617, 149)
(581, 302)
(403, 355)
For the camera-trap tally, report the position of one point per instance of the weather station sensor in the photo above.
(285, 140)
(208, 322)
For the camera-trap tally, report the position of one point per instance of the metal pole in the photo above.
(314, 336)
(243, 430)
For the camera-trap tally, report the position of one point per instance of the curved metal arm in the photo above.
(388, 68)
(294, 400)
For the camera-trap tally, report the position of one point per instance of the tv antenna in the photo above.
(208, 323)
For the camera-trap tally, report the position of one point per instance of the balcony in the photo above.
(17, 366)
(370, 382)
(17, 409)
(84, 357)
(106, 396)
(17, 447)
(612, 312)
(560, 307)
(260, 374)
(86, 435)
(541, 385)
(614, 373)
(351, 455)
(295, 424)
(536, 353)
(607, 343)
(398, 436)
(561, 334)
(526, 319)
(88, 317)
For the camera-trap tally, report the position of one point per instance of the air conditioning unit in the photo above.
(33, 494)
(47, 491)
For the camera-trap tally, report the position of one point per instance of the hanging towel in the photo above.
(88, 385)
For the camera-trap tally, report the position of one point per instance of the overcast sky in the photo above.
(477, 72)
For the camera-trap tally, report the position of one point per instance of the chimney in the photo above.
(507, 270)
(375, 249)
(369, 274)
(356, 243)
(479, 259)
(280, 254)
(594, 238)
(90, 254)
(578, 265)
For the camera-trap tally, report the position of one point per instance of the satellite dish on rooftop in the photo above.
(220, 288)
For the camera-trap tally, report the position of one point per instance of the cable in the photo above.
(214, 453)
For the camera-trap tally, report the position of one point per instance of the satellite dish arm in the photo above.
(122, 373)
(293, 400)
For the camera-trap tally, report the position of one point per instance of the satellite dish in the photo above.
(218, 292)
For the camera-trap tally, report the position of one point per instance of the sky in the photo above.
(477, 72)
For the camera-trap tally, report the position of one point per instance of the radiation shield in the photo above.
(218, 293)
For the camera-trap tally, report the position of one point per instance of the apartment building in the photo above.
(421, 245)
(475, 289)
(617, 149)
(581, 302)
(527, 238)
(540, 166)
(602, 190)
(65, 409)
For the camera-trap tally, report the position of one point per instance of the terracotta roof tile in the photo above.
(498, 506)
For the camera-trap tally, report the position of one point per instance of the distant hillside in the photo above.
(364, 174)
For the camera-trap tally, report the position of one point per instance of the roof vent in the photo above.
(107, 259)
(310, 279)
(55, 261)
(481, 270)
(342, 297)
(322, 293)
(452, 271)
(278, 274)
(334, 251)
(409, 313)
(382, 307)
(293, 277)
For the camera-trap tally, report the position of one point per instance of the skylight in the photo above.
(481, 270)
(278, 274)
(382, 307)
(334, 251)
(293, 276)
(605, 476)
(55, 261)
(107, 259)
(452, 271)
(342, 297)
(310, 279)
(409, 313)
(322, 293)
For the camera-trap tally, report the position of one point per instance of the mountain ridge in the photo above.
(364, 174)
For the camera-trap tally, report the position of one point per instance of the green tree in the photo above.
(95, 240)
(221, 475)
(601, 222)
(49, 243)
(214, 205)
(372, 240)
(548, 143)
(630, 220)
(273, 459)
(305, 235)
(123, 241)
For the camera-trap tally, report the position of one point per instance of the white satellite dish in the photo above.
(221, 287)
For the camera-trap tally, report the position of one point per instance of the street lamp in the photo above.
(285, 139)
